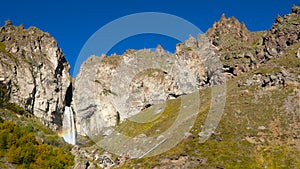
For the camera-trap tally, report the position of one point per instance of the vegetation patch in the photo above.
(112, 60)
(255, 131)
(26, 142)
(20, 147)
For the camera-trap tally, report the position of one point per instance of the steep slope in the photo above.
(242, 50)
(112, 87)
(26, 143)
(260, 124)
(35, 72)
(284, 33)
(259, 127)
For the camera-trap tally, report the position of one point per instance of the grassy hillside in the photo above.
(259, 127)
(26, 143)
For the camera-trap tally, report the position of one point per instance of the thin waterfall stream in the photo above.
(68, 126)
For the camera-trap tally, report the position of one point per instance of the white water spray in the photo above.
(68, 126)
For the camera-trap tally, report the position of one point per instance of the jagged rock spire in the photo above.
(159, 49)
(228, 27)
(8, 23)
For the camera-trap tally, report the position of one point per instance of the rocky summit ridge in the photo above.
(97, 91)
(230, 41)
(242, 50)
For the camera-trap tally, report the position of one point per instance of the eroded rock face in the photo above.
(238, 47)
(228, 26)
(35, 71)
(242, 50)
(91, 94)
(284, 33)
(112, 88)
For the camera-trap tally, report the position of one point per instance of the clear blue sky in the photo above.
(73, 22)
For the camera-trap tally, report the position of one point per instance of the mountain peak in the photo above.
(223, 17)
(228, 26)
(8, 23)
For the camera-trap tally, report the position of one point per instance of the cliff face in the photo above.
(35, 72)
(238, 49)
(100, 99)
(284, 33)
(260, 119)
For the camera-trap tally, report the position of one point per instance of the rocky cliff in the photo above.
(35, 72)
(99, 100)
(228, 40)
(242, 50)
(260, 123)
(284, 33)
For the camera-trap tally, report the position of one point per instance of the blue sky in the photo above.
(73, 22)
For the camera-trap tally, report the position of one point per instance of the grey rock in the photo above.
(35, 71)
(108, 87)
(261, 128)
(296, 9)
(187, 135)
(284, 33)
(218, 138)
(239, 112)
(264, 80)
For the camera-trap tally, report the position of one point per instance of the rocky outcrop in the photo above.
(35, 72)
(237, 46)
(242, 50)
(284, 33)
(109, 89)
(264, 80)
(227, 26)
(93, 157)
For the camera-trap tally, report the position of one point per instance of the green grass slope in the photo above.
(26, 143)
(259, 127)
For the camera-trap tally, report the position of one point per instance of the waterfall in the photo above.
(68, 126)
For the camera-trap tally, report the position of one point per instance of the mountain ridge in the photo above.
(262, 70)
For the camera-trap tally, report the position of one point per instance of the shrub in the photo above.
(25, 151)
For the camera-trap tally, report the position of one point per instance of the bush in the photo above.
(13, 155)
(21, 148)
(4, 103)
(25, 151)
(15, 108)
